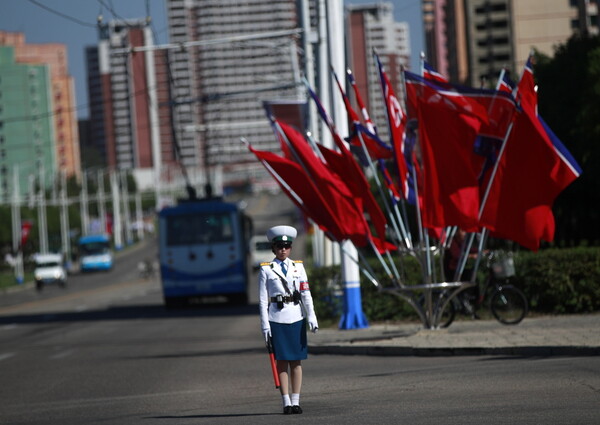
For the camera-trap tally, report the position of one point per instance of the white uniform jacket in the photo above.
(270, 285)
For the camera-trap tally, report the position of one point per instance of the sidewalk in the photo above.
(569, 335)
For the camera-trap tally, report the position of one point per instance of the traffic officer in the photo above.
(285, 305)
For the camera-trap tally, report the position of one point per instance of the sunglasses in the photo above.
(281, 245)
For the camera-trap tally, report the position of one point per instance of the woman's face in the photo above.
(282, 250)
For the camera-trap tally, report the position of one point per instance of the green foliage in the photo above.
(569, 101)
(561, 280)
(555, 281)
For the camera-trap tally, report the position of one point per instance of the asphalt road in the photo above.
(105, 350)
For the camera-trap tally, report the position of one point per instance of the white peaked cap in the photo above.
(281, 233)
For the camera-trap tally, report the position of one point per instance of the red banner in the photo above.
(25, 230)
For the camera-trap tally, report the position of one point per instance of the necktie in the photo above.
(284, 269)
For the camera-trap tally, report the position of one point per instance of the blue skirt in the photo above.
(289, 340)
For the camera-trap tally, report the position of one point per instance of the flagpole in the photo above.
(333, 130)
(483, 234)
(424, 234)
(400, 233)
(417, 203)
(371, 127)
(399, 227)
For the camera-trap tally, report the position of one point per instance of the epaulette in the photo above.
(265, 264)
(298, 261)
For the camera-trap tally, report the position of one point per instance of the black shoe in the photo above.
(287, 410)
(296, 409)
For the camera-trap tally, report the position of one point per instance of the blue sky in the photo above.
(73, 22)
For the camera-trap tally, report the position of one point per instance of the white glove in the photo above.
(313, 325)
(267, 334)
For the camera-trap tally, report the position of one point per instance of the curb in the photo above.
(527, 351)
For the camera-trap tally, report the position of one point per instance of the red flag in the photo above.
(375, 147)
(25, 231)
(344, 165)
(363, 109)
(301, 190)
(348, 170)
(526, 90)
(447, 132)
(529, 177)
(500, 107)
(430, 73)
(397, 124)
(347, 207)
(461, 99)
(534, 168)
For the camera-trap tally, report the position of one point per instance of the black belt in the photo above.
(284, 299)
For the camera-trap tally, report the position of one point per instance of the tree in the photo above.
(569, 101)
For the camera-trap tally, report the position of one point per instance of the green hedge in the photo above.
(555, 281)
(561, 280)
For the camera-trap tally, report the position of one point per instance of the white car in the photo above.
(260, 250)
(49, 269)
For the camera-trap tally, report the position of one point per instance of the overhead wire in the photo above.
(56, 12)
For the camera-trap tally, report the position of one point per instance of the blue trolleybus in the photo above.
(204, 252)
(95, 253)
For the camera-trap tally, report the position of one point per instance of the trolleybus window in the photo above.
(199, 228)
(94, 248)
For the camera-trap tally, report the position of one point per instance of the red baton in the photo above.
(273, 365)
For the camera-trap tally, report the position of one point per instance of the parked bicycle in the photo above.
(506, 302)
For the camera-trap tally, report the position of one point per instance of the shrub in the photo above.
(555, 281)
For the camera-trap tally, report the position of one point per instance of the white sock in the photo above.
(295, 399)
(286, 400)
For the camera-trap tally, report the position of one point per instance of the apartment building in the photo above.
(49, 62)
(129, 95)
(488, 35)
(38, 125)
(372, 28)
(247, 55)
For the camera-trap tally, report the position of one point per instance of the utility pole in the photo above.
(117, 232)
(353, 316)
(139, 217)
(153, 112)
(64, 218)
(127, 218)
(85, 216)
(100, 200)
(42, 221)
(16, 226)
(325, 245)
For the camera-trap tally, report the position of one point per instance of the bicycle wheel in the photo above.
(509, 305)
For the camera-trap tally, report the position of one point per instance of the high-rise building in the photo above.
(446, 38)
(373, 28)
(129, 95)
(244, 54)
(542, 25)
(38, 126)
(489, 35)
(61, 109)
